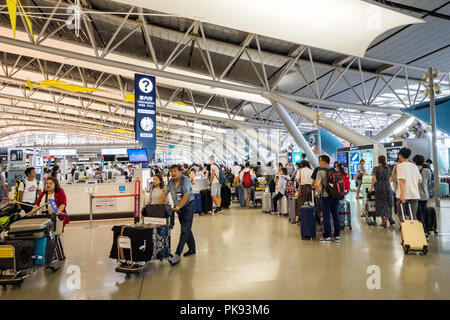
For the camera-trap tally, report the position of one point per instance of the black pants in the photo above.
(421, 213)
(27, 208)
(275, 201)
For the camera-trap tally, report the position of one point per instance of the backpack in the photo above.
(247, 179)
(16, 189)
(222, 176)
(335, 184)
(290, 188)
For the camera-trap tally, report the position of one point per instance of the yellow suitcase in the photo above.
(413, 235)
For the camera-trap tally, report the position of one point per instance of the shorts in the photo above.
(215, 190)
(359, 182)
(247, 192)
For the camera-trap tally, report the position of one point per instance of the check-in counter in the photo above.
(78, 206)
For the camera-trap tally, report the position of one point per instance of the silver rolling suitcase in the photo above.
(283, 205)
(267, 202)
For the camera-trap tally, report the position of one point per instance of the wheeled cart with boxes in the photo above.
(30, 244)
(135, 246)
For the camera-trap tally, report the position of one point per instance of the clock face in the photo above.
(146, 124)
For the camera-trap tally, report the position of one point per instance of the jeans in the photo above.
(413, 204)
(275, 201)
(330, 208)
(185, 216)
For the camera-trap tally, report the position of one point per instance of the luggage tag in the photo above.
(53, 205)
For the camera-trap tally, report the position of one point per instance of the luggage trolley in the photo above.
(151, 215)
(11, 273)
(369, 209)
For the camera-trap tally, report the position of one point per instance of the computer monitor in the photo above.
(137, 155)
(109, 157)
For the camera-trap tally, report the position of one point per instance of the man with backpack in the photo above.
(247, 177)
(330, 189)
(28, 190)
(216, 179)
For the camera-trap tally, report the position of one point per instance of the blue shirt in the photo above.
(185, 187)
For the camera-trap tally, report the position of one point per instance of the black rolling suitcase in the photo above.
(17, 255)
(144, 243)
(430, 220)
(225, 194)
(206, 200)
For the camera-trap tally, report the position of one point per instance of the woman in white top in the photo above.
(304, 180)
(156, 189)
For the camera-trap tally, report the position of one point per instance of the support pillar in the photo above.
(296, 134)
(328, 124)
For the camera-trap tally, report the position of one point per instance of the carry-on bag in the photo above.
(206, 200)
(225, 195)
(198, 203)
(345, 214)
(30, 228)
(283, 205)
(17, 255)
(431, 220)
(413, 235)
(292, 205)
(147, 242)
(267, 202)
(308, 221)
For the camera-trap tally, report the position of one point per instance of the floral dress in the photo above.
(382, 191)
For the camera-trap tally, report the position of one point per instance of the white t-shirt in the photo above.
(236, 170)
(29, 189)
(410, 173)
(216, 173)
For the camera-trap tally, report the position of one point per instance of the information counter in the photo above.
(78, 206)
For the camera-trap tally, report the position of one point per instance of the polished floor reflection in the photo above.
(245, 254)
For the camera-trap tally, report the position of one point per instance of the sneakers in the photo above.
(325, 240)
(174, 259)
(219, 210)
(337, 239)
(275, 213)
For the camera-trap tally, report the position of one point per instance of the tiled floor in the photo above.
(245, 254)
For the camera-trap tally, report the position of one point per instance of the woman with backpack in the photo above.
(282, 182)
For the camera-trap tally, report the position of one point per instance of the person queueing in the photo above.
(29, 190)
(409, 178)
(304, 180)
(425, 172)
(215, 185)
(359, 178)
(283, 180)
(247, 177)
(180, 189)
(330, 205)
(381, 181)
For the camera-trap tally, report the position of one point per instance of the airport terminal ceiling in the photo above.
(208, 76)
